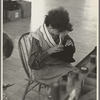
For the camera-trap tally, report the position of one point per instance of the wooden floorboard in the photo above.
(84, 20)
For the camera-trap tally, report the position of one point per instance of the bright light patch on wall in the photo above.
(37, 14)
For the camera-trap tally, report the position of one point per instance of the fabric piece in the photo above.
(47, 36)
(52, 72)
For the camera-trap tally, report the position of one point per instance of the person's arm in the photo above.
(67, 54)
(37, 55)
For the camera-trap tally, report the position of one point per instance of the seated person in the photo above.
(52, 48)
(7, 51)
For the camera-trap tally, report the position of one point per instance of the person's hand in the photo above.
(69, 43)
(56, 48)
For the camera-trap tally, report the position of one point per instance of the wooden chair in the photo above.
(24, 44)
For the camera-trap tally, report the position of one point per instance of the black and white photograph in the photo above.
(49, 50)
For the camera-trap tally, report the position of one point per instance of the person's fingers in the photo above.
(59, 50)
(60, 46)
(68, 43)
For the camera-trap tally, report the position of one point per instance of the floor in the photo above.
(83, 15)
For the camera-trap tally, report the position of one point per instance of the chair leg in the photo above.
(39, 87)
(26, 91)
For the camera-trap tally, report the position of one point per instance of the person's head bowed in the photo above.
(58, 19)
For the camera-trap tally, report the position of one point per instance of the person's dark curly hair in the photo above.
(7, 45)
(58, 19)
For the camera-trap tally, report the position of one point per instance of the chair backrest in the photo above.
(24, 45)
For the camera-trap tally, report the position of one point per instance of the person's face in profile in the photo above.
(55, 32)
